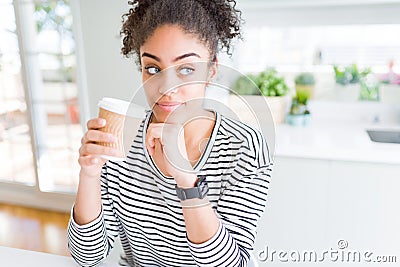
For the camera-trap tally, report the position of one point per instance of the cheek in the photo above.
(194, 91)
(149, 89)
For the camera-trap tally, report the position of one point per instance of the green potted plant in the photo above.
(299, 113)
(349, 78)
(346, 75)
(369, 88)
(267, 84)
(246, 85)
(271, 84)
(305, 83)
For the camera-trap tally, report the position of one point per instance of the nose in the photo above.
(169, 82)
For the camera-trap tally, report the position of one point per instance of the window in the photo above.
(317, 49)
(40, 119)
(301, 47)
(312, 36)
(58, 99)
(15, 139)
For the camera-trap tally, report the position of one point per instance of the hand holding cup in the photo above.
(91, 148)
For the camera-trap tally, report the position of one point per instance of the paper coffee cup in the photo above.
(122, 120)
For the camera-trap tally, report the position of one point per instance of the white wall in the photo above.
(105, 71)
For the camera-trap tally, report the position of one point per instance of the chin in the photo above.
(160, 117)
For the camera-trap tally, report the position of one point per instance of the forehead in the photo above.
(170, 41)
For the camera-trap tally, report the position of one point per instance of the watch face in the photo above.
(203, 186)
(204, 191)
(201, 181)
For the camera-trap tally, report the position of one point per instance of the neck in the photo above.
(199, 127)
(197, 133)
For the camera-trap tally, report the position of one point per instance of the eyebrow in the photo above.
(186, 55)
(145, 54)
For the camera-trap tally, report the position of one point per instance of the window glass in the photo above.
(52, 106)
(317, 49)
(15, 140)
(58, 168)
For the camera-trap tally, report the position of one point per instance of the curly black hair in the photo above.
(215, 22)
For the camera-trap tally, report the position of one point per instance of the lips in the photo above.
(168, 106)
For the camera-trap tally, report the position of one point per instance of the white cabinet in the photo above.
(315, 203)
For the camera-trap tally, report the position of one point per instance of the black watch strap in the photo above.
(200, 190)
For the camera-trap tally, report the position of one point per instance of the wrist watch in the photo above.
(199, 190)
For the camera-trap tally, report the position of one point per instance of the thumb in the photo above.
(158, 147)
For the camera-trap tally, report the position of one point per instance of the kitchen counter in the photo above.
(336, 132)
(335, 141)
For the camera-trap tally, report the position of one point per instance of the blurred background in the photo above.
(334, 64)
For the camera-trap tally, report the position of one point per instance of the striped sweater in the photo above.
(140, 204)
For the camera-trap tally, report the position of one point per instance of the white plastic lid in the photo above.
(122, 107)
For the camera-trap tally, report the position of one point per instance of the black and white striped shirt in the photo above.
(140, 204)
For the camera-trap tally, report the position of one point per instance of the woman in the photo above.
(204, 213)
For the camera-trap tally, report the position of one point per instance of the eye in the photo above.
(152, 70)
(186, 70)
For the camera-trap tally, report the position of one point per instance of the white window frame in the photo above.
(20, 194)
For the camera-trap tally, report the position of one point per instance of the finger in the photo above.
(150, 150)
(94, 149)
(169, 133)
(91, 166)
(149, 143)
(153, 134)
(88, 160)
(99, 136)
(96, 123)
(158, 146)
